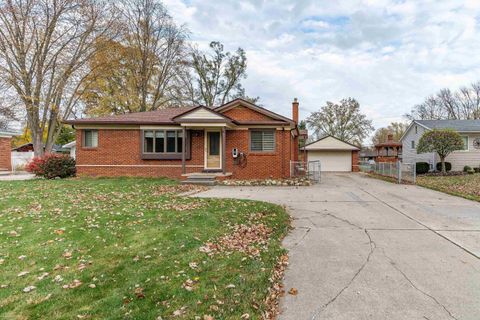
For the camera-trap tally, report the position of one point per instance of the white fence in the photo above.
(20, 159)
(402, 172)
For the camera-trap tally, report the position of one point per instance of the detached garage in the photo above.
(333, 154)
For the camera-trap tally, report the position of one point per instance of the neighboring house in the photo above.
(388, 151)
(5, 150)
(71, 148)
(28, 147)
(368, 155)
(238, 139)
(469, 130)
(333, 154)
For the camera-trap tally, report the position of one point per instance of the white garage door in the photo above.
(332, 160)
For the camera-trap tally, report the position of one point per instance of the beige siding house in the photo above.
(468, 129)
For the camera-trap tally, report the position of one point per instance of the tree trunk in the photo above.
(444, 169)
(37, 140)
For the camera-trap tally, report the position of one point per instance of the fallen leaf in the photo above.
(139, 293)
(74, 284)
(293, 291)
(29, 288)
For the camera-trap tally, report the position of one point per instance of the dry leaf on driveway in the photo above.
(293, 291)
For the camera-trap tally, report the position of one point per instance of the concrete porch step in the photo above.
(201, 179)
(200, 182)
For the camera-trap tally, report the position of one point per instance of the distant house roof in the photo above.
(26, 147)
(368, 153)
(8, 133)
(69, 145)
(457, 125)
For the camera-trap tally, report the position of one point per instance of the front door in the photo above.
(213, 146)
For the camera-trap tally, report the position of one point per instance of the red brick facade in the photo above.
(119, 153)
(5, 153)
(243, 113)
(355, 161)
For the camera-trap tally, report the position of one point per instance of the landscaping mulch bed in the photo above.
(269, 182)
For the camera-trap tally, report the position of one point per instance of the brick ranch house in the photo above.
(237, 140)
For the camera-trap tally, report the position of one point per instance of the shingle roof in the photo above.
(457, 125)
(162, 116)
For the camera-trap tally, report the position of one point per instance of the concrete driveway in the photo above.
(367, 249)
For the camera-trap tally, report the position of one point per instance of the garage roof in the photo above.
(330, 143)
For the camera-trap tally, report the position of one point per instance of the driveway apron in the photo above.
(362, 248)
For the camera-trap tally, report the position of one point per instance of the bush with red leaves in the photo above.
(51, 166)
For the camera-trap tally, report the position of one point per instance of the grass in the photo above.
(134, 248)
(466, 186)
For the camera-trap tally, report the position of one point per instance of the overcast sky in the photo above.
(387, 54)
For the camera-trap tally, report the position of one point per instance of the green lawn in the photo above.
(467, 186)
(132, 249)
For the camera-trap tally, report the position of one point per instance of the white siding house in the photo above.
(468, 129)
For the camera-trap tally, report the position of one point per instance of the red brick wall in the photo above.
(122, 147)
(5, 153)
(260, 165)
(243, 113)
(355, 161)
(119, 154)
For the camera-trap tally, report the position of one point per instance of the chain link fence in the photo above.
(302, 169)
(401, 172)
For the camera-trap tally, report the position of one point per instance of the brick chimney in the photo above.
(295, 110)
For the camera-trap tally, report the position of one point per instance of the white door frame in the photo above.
(206, 148)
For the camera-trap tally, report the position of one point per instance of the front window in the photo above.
(162, 141)
(465, 143)
(90, 138)
(413, 144)
(262, 140)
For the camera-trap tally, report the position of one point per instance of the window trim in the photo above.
(84, 140)
(413, 145)
(165, 155)
(262, 130)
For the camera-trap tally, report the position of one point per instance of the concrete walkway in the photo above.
(18, 176)
(367, 249)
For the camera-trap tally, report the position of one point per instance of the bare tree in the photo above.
(218, 75)
(44, 49)
(160, 48)
(396, 129)
(343, 121)
(462, 104)
(9, 111)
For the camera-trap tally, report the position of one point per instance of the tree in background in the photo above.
(397, 129)
(443, 142)
(217, 75)
(343, 121)
(445, 104)
(67, 134)
(45, 47)
(141, 69)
